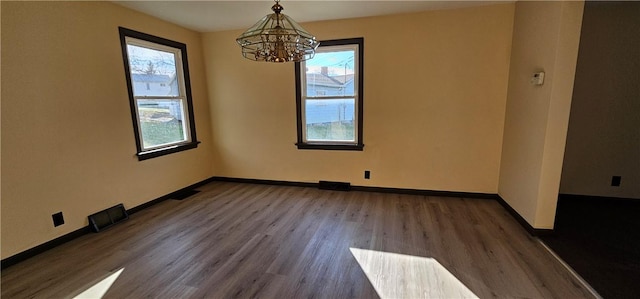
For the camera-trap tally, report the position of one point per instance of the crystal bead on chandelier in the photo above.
(277, 38)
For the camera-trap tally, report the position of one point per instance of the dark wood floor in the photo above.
(243, 240)
(599, 238)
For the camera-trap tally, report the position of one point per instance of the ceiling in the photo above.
(208, 16)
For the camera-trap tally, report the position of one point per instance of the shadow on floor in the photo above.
(600, 239)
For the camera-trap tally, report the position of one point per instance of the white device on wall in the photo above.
(537, 78)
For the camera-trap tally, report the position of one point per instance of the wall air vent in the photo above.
(183, 194)
(107, 218)
(339, 186)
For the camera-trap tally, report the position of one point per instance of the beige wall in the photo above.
(435, 87)
(604, 128)
(545, 38)
(67, 136)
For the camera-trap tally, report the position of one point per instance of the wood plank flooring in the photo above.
(241, 240)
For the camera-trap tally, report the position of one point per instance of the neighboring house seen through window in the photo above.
(329, 96)
(159, 92)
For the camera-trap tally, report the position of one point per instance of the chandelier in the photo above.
(277, 38)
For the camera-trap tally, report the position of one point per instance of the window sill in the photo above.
(330, 147)
(166, 150)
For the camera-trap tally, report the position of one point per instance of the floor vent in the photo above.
(184, 194)
(107, 218)
(339, 186)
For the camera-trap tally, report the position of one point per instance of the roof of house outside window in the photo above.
(151, 78)
(329, 81)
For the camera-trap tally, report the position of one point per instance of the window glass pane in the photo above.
(330, 120)
(331, 74)
(153, 72)
(161, 122)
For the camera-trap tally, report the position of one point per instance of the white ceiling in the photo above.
(208, 16)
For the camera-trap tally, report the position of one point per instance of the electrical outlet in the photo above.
(615, 181)
(367, 174)
(58, 219)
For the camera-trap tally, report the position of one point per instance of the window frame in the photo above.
(184, 83)
(301, 95)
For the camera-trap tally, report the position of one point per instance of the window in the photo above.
(159, 92)
(329, 96)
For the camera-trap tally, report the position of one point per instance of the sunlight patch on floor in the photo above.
(405, 276)
(99, 289)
